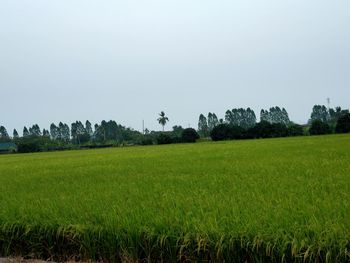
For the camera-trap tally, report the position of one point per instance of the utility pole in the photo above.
(143, 127)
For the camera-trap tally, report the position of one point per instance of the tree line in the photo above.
(240, 123)
(79, 135)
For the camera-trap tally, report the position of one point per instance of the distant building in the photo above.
(6, 147)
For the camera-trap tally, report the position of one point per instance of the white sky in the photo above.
(67, 60)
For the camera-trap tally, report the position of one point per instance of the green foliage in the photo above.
(203, 129)
(78, 133)
(54, 132)
(266, 129)
(343, 124)
(336, 113)
(164, 138)
(320, 113)
(226, 132)
(295, 130)
(278, 200)
(146, 140)
(212, 121)
(46, 133)
(88, 128)
(35, 130)
(15, 134)
(4, 136)
(319, 127)
(275, 115)
(38, 144)
(189, 135)
(244, 118)
(111, 131)
(177, 131)
(221, 132)
(262, 129)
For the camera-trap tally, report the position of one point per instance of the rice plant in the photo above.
(273, 200)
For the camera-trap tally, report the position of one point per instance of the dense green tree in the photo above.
(25, 132)
(15, 134)
(88, 128)
(285, 117)
(264, 115)
(244, 118)
(189, 135)
(4, 136)
(164, 138)
(111, 131)
(36, 144)
(78, 133)
(335, 114)
(319, 127)
(275, 115)
(320, 113)
(203, 126)
(64, 132)
(177, 131)
(46, 133)
(229, 117)
(295, 130)
(54, 132)
(212, 121)
(226, 132)
(343, 124)
(162, 119)
(35, 130)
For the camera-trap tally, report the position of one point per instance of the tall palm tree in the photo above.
(162, 119)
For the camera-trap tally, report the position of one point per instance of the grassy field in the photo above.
(258, 200)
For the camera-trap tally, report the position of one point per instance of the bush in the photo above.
(265, 129)
(39, 144)
(319, 127)
(226, 132)
(146, 140)
(295, 130)
(237, 132)
(32, 144)
(261, 130)
(343, 124)
(164, 138)
(279, 130)
(189, 135)
(220, 132)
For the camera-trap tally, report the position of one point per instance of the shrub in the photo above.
(319, 127)
(146, 140)
(295, 130)
(343, 124)
(279, 130)
(220, 132)
(32, 144)
(262, 129)
(227, 132)
(189, 135)
(164, 138)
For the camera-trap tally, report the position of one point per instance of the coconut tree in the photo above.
(162, 119)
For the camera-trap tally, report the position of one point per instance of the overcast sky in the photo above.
(127, 60)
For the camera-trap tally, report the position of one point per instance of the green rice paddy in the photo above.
(256, 200)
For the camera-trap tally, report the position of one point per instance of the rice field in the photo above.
(272, 200)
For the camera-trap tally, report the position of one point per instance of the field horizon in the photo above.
(282, 199)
